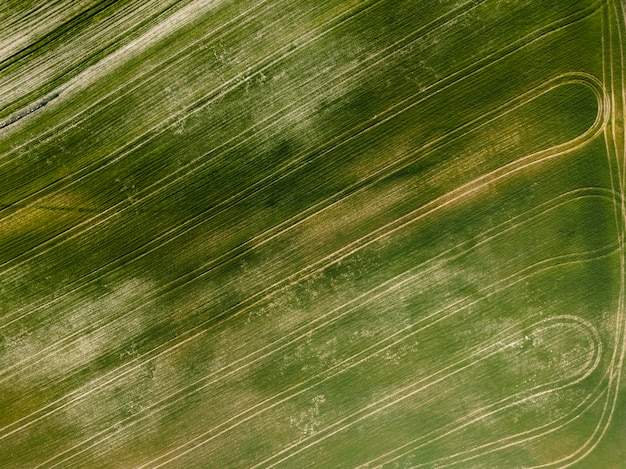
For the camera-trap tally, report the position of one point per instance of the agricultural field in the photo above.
(312, 234)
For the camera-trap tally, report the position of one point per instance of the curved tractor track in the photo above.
(347, 234)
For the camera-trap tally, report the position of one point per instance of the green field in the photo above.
(312, 233)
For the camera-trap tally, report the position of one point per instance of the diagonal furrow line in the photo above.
(18, 17)
(173, 233)
(105, 37)
(459, 305)
(210, 97)
(148, 75)
(132, 366)
(291, 223)
(445, 83)
(487, 236)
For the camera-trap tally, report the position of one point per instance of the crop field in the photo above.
(312, 233)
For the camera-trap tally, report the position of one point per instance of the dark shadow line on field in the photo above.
(33, 11)
(53, 131)
(30, 110)
(61, 32)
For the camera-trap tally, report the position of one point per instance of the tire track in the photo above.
(206, 268)
(566, 259)
(60, 238)
(304, 330)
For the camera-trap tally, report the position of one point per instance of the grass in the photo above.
(311, 234)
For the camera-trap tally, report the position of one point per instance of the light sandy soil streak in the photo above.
(177, 18)
(30, 23)
(30, 27)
